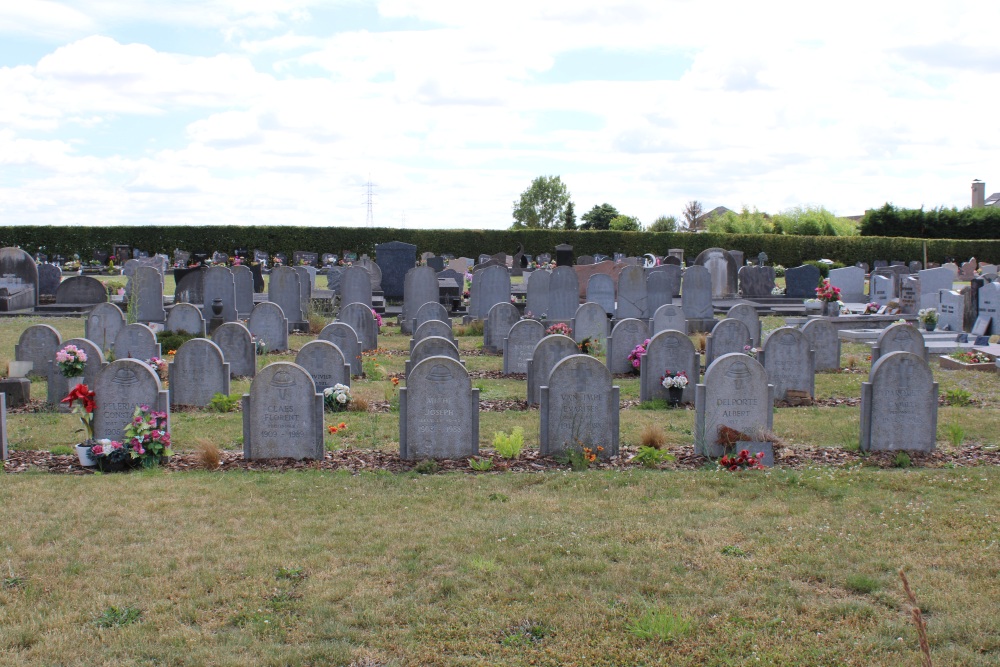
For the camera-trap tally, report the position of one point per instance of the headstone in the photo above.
(420, 286)
(519, 345)
(547, 353)
(723, 268)
(103, 324)
(982, 326)
(38, 344)
(933, 281)
(631, 295)
(268, 323)
(727, 337)
(304, 258)
(590, 321)
(851, 281)
(519, 262)
(136, 341)
(863, 266)
(283, 415)
(489, 287)
(190, 285)
(121, 387)
(544, 258)
(659, 291)
(325, 364)
(83, 290)
(431, 346)
(394, 259)
(823, 339)
(601, 290)
(236, 343)
(438, 412)
(739, 257)
(360, 318)
(284, 291)
(579, 408)
(436, 263)
(197, 373)
(882, 289)
(670, 260)
(915, 267)
(537, 294)
(953, 267)
(696, 293)
(624, 337)
(564, 255)
(334, 278)
(585, 259)
(427, 312)
(49, 277)
(185, 318)
(243, 280)
(801, 282)
(986, 268)
(501, 318)
(899, 338)
(220, 283)
(668, 318)
(355, 286)
(307, 275)
(673, 274)
(899, 405)
(989, 305)
(968, 269)
(564, 294)
(747, 314)
(880, 264)
(149, 295)
(673, 351)
(432, 328)
(21, 269)
(951, 309)
(790, 362)
(58, 386)
(756, 281)
(909, 294)
(346, 338)
(734, 394)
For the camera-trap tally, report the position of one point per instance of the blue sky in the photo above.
(264, 112)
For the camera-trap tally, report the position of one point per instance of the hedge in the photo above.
(938, 223)
(780, 249)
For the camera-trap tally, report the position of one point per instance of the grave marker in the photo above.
(438, 412)
(579, 408)
(899, 405)
(282, 415)
(198, 372)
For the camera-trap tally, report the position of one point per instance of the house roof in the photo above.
(992, 199)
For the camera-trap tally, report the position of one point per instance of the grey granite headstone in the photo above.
(81, 290)
(19, 264)
(899, 338)
(4, 453)
(790, 362)
(909, 295)
(334, 278)
(989, 305)
(899, 405)
(501, 318)
(325, 364)
(590, 322)
(432, 328)
(968, 269)
(520, 344)
(625, 335)
(747, 314)
(728, 336)
(243, 280)
(756, 281)
(148, 283)
(659, 291)
(438, 412)
(564, 294)
(537, 294)
(723, 268)
(190, 286)
(951, 309)
(822, 336)
(186, 318)
(355, 287)
(236, 343)
(733, 393)
(121, 387)
(268, 323)
(103, 324)
(431, 346)
(933, 281)
(579, 408)
(490, 286)
(374, 273)
(673, 351)
(882, 289)
(307, 275)
(360, 317)
(631, 295)
(915, 266)
(420, 286)
(851, 281)
(549, 351)
(430, 311)
(696, 293)
(38, 344)
(346, 338)
(49, 277)
(668, 318)
(395, 259)
(601, 290)
(283, 415)
(136, 341)
(801, 281)
(583, 260)
(58, 386)
(198, 372)
(284, 290)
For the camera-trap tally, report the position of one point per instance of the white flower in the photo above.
(341, 387)
(328, 391)
(342, 398)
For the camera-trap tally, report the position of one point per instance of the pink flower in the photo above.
(115, 444)
(97, 450)
(139, 450)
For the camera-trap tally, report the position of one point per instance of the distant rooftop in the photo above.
(992, 199)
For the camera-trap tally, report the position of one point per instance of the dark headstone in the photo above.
(395, 259)
(801, 282)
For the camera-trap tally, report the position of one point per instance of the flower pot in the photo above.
(929, 326)
(83, 453)
(831, 308)
(73, 382)
(674, 395)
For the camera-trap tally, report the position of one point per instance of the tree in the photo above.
(599, 217)
(541, 205)
(625, 223)
(569, 216)
(691, 214)
(665, 223)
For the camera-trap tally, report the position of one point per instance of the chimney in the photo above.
(978, 194)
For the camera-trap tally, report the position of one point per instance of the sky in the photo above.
(284, 111)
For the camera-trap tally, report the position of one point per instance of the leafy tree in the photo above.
(569, 216)
(625, 223)
(744, 222)
(692, 212)
(599, 217)
(665, 223)
(541, 205)
(813, 221)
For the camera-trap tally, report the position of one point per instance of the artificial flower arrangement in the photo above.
(636, 355)
(742, 461)
(827, 292)
(71, 361)
(159, 367)
(971, 357)
(871, 308)
(81, 400)
(671, 380)
(559, 328)
(378, 319)
(928, 316)
(337, 397)
(750, 351)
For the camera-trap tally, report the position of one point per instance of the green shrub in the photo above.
(172, 340)
(959, 397)
(509, 446)
(482, 464)
(651, 457)
(222, 403)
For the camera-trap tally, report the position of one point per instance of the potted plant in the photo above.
(928, 317)
(72, 361)
(81, 400)
(674, 383)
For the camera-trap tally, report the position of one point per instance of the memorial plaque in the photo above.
(283, 415)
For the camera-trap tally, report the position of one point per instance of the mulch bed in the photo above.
(361, 460)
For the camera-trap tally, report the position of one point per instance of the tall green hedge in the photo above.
(780, 249)
(938, 223)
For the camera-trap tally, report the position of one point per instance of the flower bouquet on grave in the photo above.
(928, 316)
(750, 351)
(337, 397)
(827, 292)
(742, 461)
(971, 357)
(82, 403)
(559, 328)
(146, 443)
(159, 367)
(636, 355)
(871, 308)
(674, 383)
(378, 319)
(71, 361)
